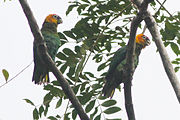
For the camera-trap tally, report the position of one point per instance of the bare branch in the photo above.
(151, 25)
(129, 71)
(42, 51)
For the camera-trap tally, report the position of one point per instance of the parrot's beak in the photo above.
(148, 42)
(59, 20)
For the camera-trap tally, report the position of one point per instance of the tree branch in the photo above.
(152, 26)
(42, 51)
(129, 71)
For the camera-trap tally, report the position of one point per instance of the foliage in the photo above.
(170, 30)
(103, 25)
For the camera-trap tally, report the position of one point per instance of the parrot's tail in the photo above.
(44, 79)
(40, 77)
(108, 89)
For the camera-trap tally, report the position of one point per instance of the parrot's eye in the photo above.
(144, 37)
(55, 16)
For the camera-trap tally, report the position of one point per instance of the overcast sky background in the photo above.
(153, 96)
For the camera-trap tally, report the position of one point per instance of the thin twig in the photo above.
(66, 108)
(144, 29)
(167, 11)
(160, 7)
(16, 75)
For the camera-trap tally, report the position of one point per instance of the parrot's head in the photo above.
(142, 40)
(53, 18)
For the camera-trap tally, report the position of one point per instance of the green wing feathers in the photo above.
(114, 76)
(41, 71)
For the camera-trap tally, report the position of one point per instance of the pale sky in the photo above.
(153, 96)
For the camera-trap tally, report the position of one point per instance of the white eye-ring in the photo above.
(55, 16)
(144, 37)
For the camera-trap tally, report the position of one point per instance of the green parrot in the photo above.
(114, 76)
(52, 40)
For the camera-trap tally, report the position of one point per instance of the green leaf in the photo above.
(78, 51)
(98, 117)
(90, 106)
(6, 74)
(69, 52)
(81, 7)
(178, 59)
(108, 46)
(102, 97)
(112, 110)
(72, 61)
(71, 71)
(76, 89)
(83, 86)
(176, 69)
(46, 110)
(107, 18)
(57, 116)
(178, 41)
(66, 116)
(69, 34)
(52, 118)
(63, 68)
(94, 113)
(169, 32)
(59, 103)
(101, 67)
(41, 110)
(29, 101)
(108, 103)
(85, 1)
(70, 8)
(35, 114)
(79, 67)
(62, 36)
(74, 114)
(96, 86)
(56, 83)
(85, 98)
(83, 49)
(90, 74)
(114, 119)
(61, 56)
(47, 98)
(176, 62)
(175, 48)
(56, 92)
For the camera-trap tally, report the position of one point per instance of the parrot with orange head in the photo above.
(114, 76)
(52, 40)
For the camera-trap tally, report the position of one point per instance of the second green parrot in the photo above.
(114, 76)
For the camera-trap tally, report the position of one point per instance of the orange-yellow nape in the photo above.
(139, 39)
(53, 18)
(142, 40)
